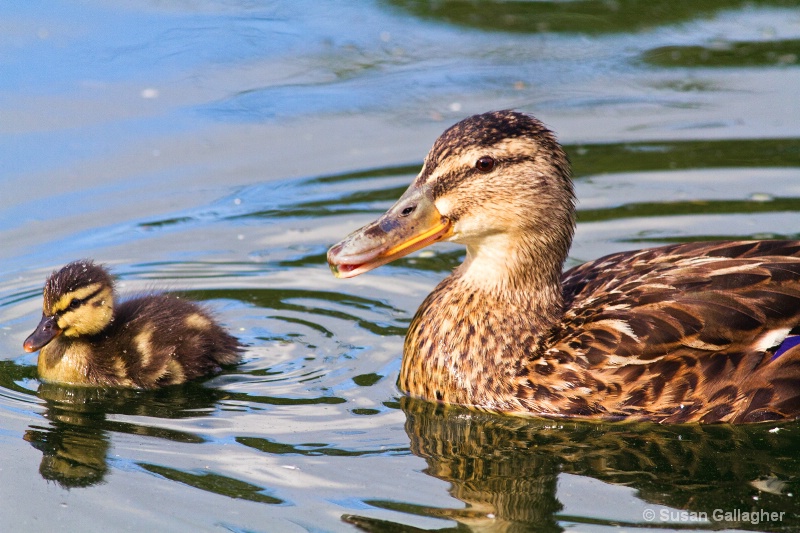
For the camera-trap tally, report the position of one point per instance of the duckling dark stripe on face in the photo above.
(76, 298)
(88, 315)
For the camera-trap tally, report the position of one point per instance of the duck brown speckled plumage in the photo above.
(144, 342)
(700, 332)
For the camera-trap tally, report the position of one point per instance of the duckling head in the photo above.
(497, 182)
(78, 300)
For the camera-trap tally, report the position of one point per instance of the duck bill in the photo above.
(46, 331)
(409, 225)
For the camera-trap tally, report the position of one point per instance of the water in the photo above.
(218, 149)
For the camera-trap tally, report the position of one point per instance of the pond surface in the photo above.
(218, 149)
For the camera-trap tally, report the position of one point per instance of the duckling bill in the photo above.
(85, 338)
(696, 332)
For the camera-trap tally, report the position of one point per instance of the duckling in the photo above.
(144, 342)
(697, 332)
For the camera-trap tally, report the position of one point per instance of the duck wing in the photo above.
(690, 331)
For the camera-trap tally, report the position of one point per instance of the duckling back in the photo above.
(160, 340)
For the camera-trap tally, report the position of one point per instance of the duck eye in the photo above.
(485, 163)
(74, 304)
(407, 211)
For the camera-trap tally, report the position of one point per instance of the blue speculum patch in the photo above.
(789, 342)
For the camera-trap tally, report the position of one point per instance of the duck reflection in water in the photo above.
(75, 444)
(506, 469)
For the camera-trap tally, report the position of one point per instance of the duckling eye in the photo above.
(485, 163)
(407, 211)
(74, 304)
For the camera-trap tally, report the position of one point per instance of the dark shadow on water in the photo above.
(506, 469)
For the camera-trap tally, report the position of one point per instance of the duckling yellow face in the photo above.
(497, 182)
(85, 311)
(78, 300)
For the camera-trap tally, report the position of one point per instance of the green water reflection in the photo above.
(312, 449)
(692, 207)
(582, 16)
(680, 155)
(727, 54)
(222, 485)
(280, 301)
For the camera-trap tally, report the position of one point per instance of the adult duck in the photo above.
(698, 332)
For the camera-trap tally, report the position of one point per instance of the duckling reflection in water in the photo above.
(82, 421)
(144, 342)
(696, 332)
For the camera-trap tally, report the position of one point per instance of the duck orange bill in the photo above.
(46, 331)
(409, 225)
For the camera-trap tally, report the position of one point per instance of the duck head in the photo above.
(78, 300)
(497, 182)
